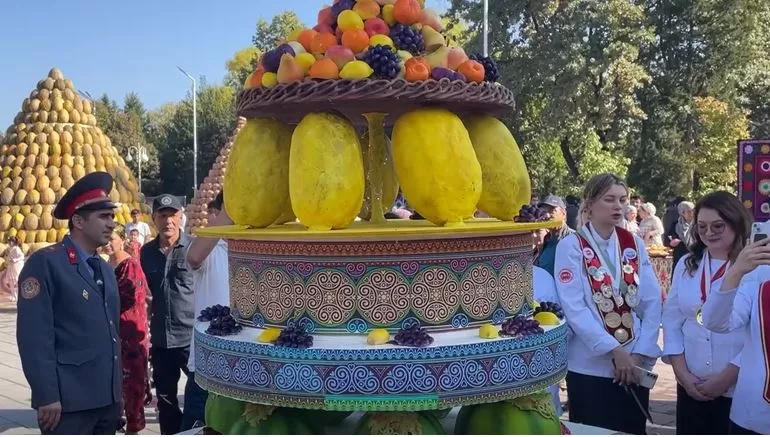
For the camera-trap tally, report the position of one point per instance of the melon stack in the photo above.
(53, 142)
(211, 185)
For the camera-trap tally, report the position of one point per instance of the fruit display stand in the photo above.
(53, 142)
(196, 211)
(400, 320)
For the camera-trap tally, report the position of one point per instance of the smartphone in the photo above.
(647, 379)
(759, 231)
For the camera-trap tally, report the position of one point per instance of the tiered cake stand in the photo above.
(378, 274)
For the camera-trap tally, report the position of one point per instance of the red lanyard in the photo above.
(719, 273)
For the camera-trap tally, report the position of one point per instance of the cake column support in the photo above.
(375, 157)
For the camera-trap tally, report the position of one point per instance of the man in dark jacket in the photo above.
(68, 316)
(557, 209)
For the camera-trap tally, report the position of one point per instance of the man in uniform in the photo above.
(68, 315)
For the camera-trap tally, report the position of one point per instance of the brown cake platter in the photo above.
(351, 98)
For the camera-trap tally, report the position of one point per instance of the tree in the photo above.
(240, 66)
(268, 35)
(216, 119)
(574, 68)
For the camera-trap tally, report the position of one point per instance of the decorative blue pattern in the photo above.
(295, 377)
(358, 326)
(409, 321)
(307, 323)
(258, 321)
(459, 320)
(498, 316)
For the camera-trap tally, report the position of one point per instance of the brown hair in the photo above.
(736, 217)
(595, 188)
(13, 240)
(120, 230)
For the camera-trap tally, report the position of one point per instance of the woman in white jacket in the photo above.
(611, 300)
(651, 227)
(705, 363)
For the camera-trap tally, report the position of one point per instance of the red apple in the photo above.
(341, 55)
(376, 26)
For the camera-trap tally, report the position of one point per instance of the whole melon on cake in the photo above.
(232, 417)
(399, 423)
(533, 414)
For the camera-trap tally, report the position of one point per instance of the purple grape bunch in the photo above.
(531, 214)
(520, 326)
(222, 325)
(412, 336)
(550, 307)
(210, 313)
(295, 337)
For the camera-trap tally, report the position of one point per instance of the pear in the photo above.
(288, 70)
(433, 39)
(439, 57)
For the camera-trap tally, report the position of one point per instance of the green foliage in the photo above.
(240, 66)
(658, 90)
(268, 35)
(216, 118)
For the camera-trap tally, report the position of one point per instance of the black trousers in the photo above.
(597, 401)
(696, 417)
(167, 367)
(98, 421)
(736, 429)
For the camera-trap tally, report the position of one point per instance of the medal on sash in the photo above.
(614, 307)
(705, 286)
(763, 303)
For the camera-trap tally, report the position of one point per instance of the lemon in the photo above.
(488, 330)
(378, 336)
(269, 335)
(546, 318)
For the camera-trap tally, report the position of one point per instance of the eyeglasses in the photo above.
(716, 228)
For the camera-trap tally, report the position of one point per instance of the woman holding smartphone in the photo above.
(705, 363)
(611, 300)
(743, 303)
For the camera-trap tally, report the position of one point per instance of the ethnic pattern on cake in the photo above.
(382, 378)
(349, 287)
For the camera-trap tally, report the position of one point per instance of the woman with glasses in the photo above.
(705, 363)
(611, 300)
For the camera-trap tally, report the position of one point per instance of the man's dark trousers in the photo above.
(167, 367)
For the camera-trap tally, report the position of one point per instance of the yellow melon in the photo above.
(61, 233)
(42, 182)
(55, 183)
(46, 220)
(25, 210)
(52, 236)
(41, 236)
(33, 197)
(67, 160)
(43, 160)
(18, 220)
(78, 171)
(29, 183)
(20, 198)
(55, 161)
(12, 232)
(31, 160)
(37, 209)
(16, 181)
(31, 222)
(47, 196)
(64, 116)
(60, 193)
(5, 221)
(52, 172)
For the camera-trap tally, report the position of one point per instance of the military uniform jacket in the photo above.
(67, 330)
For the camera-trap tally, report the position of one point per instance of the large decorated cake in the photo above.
(335, 308)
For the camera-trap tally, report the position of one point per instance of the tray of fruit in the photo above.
(368, 56)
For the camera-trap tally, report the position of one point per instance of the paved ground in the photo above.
(17, 418)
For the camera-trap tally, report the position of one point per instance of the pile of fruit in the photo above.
(212, 184)
(413, 336)
(221, 322)
(53, 142)
(378, 39)
(520, 326)
(294, 336)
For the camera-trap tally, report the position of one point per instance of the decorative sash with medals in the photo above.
(763, 301)
(615, 308)
(705, 287)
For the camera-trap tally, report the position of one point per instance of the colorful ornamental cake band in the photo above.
(380, 379)
(354, 286)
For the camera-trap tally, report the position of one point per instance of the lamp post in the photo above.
(141, 156)
(195, 130)
(486, 27)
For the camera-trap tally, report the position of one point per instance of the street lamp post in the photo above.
(195, 130)
(141, 156)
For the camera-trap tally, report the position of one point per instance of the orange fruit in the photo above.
(356, 40)
(324, 69)
(321, 42)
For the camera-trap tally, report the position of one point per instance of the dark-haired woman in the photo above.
(134, 342)
(705, 363)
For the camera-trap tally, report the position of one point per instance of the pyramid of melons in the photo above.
(211, 185)
(53, 142)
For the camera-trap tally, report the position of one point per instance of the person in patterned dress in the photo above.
(132, 288)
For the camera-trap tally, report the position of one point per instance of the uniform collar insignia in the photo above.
(72, 255)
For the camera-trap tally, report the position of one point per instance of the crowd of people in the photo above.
(94, 335)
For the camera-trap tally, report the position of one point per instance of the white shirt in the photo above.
(544, 290)
(589, 350)
(142, 228)
(707, 353)
(211, 285)
(726, 311)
